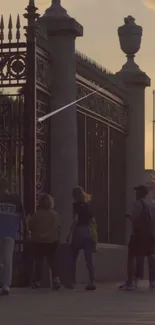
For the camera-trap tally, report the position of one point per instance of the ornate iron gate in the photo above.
(101, 154)
(12, 77)
(11, 141)
(24, 143)
(24, 151)
(36, 134)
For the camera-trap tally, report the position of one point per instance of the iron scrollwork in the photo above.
(11, 141)
(42, 74)
(12, 67)
(99, 104)
(42, 150)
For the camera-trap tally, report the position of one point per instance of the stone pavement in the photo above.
(106, 306)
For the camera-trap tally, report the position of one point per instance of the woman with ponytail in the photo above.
(83, 234)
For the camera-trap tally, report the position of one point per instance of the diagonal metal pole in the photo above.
(45, 117)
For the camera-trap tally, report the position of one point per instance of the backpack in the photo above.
(143, 224)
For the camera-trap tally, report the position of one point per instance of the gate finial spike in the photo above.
(18, 22)
(10, 29)
(32, 16)
(1, 29)
(2, 22)
(10, 22)
(18, 28)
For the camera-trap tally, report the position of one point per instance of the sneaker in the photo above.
(36, 285)
(152, 285)
(56, 284)
(5, 291)
(136, 283)
(127, 287)
(90, 287)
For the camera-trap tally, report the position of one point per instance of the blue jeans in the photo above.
(82, 240)
(6, 260)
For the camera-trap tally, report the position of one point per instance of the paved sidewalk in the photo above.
(105, 306)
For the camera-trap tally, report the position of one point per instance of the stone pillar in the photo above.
(62, 31)
(136, 81)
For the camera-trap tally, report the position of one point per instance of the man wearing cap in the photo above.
(142, 242)
(11, 211)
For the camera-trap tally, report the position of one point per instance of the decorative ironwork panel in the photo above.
(81, 148)
(117, 191)
(102, 106)
(97, 173)
(12, 57)
(12, 68)
(11, 141)
(43, 147)
(11, 146)
(43, 76)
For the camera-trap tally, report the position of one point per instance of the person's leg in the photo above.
(6, 251)
(151, 262)
(151, 267)
(74, 256)
(52, 258)
(28, 257)
(139, 270)
(130, 268)
(1, 261)
(38, 261)
(88, 253)
(128, 285)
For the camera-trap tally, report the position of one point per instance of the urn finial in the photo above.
(130, 35)
(56, 10)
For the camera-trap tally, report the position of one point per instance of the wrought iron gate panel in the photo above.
(97, 173)
(115, 113)
(43, 149)
(89, 153)
(106, 117)
(43, 85)
(12, 76)
(81, 118)
(11, 141)
(117, 173)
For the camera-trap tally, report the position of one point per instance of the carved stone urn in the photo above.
(130, 36)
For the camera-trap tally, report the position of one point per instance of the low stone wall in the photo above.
(109, 261)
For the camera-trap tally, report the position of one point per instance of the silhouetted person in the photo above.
(81, 234)
(142, 241)
(45, 226)
(11, 214)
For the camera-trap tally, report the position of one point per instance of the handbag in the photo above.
(93, 231)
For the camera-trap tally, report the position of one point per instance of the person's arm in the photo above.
(58, 227)
(24, 219)
(74, 222)
(136, 212)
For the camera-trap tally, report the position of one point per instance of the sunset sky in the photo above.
(100, 19)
